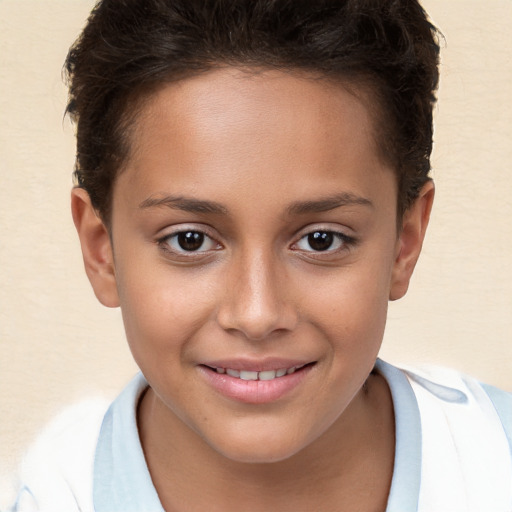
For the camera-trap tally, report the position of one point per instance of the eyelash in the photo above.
(166, 241)
(328, 237)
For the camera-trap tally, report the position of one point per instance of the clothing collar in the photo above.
(121, 477)
(122, 481)
(405, 484)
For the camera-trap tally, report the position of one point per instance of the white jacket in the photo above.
(453, 451)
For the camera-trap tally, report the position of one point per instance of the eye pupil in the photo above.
(320, 240)
(190, 240)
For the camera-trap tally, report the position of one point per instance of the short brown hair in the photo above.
(129, 47)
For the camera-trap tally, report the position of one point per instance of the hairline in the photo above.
(358, 84)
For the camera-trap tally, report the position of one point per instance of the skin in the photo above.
(281, 156)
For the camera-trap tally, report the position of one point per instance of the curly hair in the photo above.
(129, 48)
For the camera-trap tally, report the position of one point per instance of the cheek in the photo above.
(357, 293)
(349, 306)
(355, 321)
(162, 308)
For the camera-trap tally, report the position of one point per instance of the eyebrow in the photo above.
(328, 203)
(185, 204)
(300, 207)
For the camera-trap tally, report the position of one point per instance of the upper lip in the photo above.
(259, 365)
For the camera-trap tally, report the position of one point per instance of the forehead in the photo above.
(232, 125)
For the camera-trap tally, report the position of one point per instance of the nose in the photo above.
(255, 302)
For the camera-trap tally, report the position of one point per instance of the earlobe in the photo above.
(410, 241)
(96, 248)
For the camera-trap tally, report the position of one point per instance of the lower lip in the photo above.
(254, 391)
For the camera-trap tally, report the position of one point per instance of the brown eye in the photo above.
(326, 241)
(320, 240)
(190, 240)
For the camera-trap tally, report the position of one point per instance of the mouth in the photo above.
(253, 383)
(265, 375)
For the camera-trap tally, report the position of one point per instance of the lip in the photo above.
(255, 391)
(260, 365)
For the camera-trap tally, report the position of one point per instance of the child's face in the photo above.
(254, 229)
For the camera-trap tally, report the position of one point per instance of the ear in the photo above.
(410, 240)
(96, 248)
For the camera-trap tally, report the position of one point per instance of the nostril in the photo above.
(255, 298)
(254, 323)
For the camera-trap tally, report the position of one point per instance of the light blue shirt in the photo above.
(453, 451)
(122, 481)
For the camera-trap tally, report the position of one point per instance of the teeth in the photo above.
(248, 375)
(263, 375)
(268, 375)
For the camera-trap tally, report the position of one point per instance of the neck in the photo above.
(348, 468)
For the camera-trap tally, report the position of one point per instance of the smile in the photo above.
(262, 375)
(255, 383)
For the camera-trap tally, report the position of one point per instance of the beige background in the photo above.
(57, 344)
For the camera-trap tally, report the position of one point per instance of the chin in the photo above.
(259, 449)
(257, 455)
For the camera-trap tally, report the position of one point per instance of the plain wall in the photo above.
(58, 345)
